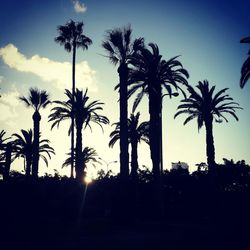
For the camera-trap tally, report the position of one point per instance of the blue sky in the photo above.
(205, 33)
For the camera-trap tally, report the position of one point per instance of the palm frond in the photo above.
(245, 40)
(137, 100)
(25, 100)
(245, 72)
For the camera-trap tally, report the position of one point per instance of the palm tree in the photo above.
(24, 147)
(207, 106)
(37, 99)
(119, 47)
(6, 154)
(88, 155)
(150, 74)
(84, 113)
(245, 69)
(2, 139)
(136, 133)
(71, 37)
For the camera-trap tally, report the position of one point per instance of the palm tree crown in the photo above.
(151, 72)
(37, 99)
(137, 132)
(71, 34)
(206, 105)
(119, 46)
(78, 106)
(87, 155)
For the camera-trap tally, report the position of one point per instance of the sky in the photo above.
(205, 34)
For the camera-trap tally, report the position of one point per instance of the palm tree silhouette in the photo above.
(88, 155)
(206, 107)
(151, 75)
(23, 146)
(245, 69)
(136, 133)
(71, 37)
(119, 47)
(2, 139)
(36, 99)
(5, 154)
(84, 113)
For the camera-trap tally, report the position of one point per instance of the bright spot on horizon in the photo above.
(87, 179)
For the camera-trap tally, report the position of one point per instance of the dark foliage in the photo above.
(245, 69)
(49, 208)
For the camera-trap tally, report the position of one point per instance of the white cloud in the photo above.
(9, 102)
(48, 70)
(79, 7)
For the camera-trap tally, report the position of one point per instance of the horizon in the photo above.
(206, 35)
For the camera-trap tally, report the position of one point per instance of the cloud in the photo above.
(9, 103)
(58, 73)
(79, 7)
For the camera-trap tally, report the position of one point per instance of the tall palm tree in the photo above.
(136, 133)
(23, 145)
(207, 106)
(71, 37)
(245, 70)
(84, 113)
(150, 74)
(36, 99)
(88, 155)
(119, 47)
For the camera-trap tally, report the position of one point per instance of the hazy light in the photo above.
(87, 179)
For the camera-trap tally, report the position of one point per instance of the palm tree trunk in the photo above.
(123, 199)
(134, 160)
(124, 157)
(72, 116)
(36, 119)
(28, 162)
(154, 132)
(28, 165)
(211, 167)
(161, 145)
(79, 164)
(210, 145)
(155, 146)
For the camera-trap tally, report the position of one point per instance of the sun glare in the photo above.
(87, 179)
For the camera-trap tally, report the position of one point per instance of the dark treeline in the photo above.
(63, 214)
